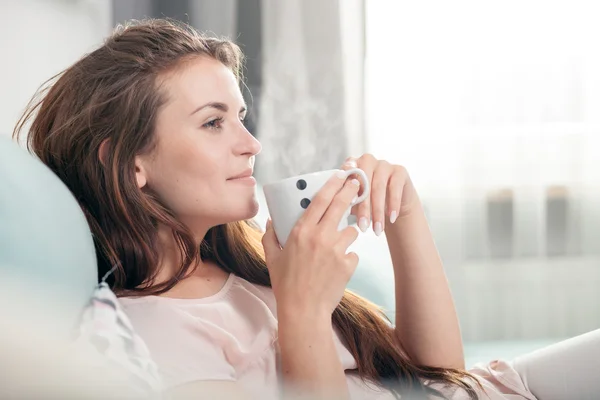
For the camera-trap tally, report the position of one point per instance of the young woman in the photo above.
(148, 133)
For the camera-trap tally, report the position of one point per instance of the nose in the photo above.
(247, 144)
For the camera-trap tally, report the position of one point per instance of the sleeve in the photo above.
(501, 381)
(184, 348)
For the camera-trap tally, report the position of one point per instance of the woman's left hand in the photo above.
(392, 193)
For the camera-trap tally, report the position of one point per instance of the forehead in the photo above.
(202, 80)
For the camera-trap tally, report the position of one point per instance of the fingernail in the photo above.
(351, 164)
(363, 224)
(393, 217)
(378, 228)
(341, 174)
(355, 182)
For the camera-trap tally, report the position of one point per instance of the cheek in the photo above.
(185, 174)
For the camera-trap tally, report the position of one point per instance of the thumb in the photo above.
(270, 242)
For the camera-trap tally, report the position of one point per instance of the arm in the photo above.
(426, 320)
(308, 278)
(309, 359)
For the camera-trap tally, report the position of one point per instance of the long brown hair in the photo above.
(113, 95)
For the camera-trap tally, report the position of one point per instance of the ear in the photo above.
(140, 172)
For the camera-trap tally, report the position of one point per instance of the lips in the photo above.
(245, 174)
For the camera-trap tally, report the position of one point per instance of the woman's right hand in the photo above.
(308, 278)
(310, 274)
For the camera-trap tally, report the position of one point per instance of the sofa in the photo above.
(48, 275)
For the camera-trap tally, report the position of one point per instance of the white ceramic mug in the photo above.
(288, 198)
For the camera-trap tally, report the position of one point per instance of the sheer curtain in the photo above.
(311, 105)
(312, 108)
(495, 110)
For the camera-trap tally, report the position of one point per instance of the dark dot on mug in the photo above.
(301, 184)
(304, 203)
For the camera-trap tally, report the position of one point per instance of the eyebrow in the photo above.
(219, 106)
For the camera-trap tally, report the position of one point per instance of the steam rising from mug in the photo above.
(288, 198)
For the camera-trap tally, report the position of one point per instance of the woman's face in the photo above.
(204, 156)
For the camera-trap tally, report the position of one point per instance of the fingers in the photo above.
(321, 201)
(350, 163)
(379, 189)
(362, 211)
(394, 194)
(387, 186)
(347, 236)
(340, 204)
(270, 242)
(351, 262)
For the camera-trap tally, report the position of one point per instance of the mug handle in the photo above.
(365, 184)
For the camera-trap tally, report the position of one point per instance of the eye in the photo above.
(214, 123)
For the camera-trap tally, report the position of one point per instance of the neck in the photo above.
(170, 255)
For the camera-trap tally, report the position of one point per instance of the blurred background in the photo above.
(494, 108)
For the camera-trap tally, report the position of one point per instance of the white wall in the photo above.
(39, 38)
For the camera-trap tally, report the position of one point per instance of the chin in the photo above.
(253, 208)
(245, 211)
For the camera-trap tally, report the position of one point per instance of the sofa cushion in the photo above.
(45, 242)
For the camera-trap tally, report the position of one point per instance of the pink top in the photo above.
(232, 336)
